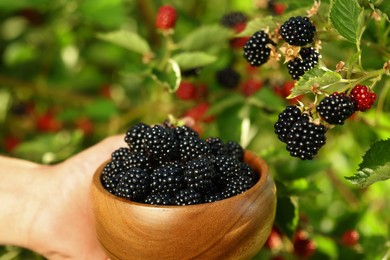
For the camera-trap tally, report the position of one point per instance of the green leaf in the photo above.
(344, 16)
(191, 60)
(258, 24)
(101, 109)
(319, 77)
(287, 215)
(375, 166)
(107, 13)
(205, 37)
(126, 39)
(170, 78)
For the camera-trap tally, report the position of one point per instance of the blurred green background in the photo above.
(62, 89)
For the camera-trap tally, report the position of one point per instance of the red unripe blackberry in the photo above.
(303, 245)
(251, 86)
(256, 50)
(186, 91)
(298, 31)
(350, 237)
(362, 97)
(166, 17)
(299, 65)
(336, 108)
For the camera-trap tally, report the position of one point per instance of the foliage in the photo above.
(73, 72)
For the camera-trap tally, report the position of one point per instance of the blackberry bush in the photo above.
(298, 31)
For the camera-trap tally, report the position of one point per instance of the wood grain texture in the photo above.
(234, 228)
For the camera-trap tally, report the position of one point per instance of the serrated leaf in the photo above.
(344, 16)
(127, 39)
(375, 166)
(192, 60)
(205, 37)
(318, 77)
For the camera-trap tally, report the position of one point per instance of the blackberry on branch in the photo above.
(336, 108)
(228, 78)
(256, 50)
(232, 19)
(299, 65)
(298, 31)
(286, 119)
(362, 97)
(305, 138)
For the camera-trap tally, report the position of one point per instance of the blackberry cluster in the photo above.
(298, 31)
(336, 108)
(299, 65)
(303, 138)
(256, 50)
(171, 165)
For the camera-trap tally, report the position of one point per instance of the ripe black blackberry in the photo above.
(237, 184)
(139, 160)
(160, 144)
(336, 108)
(133, 185)
(225, 166)
(246, 170)
(216, 145)
(305, 138)
(299, 65)
(228, 78)
(188, 196)
(158, 199)
(230, 20)
(235, 150)
(191, 147)
(121, 154)
(199, 174)
(256, 50)
(298, 31)
(181, 131)
(111, 174)
(166, 179)
(286, 119)
(135, 135)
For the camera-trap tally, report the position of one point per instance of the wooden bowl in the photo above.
(233, 228)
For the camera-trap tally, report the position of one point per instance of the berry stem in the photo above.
(369, 75)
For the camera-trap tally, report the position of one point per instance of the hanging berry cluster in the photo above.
(303, 127)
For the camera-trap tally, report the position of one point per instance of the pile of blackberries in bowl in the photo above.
(169, 194)
(173, 166)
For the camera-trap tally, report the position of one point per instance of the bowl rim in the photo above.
(255, 160)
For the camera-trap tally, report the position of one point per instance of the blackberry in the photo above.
(298, 31)
(232, 19)
(191, 147)
(121, 154)
(286, 119)
(362, 97)
(256, 50)
(166, 179)
(187, 196)
(237, 184)
(199, 173)
(299, 65)
(235, 150)
(158, 199)
(133, 185)
(228, 78)
(216, 145)
(139, 160)
(213, 197)
(246, 170)
(135, 135)
(111, 174)
(160, 143)
(305, 139)
(225, 166)
(336, 108)
(181, 131)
